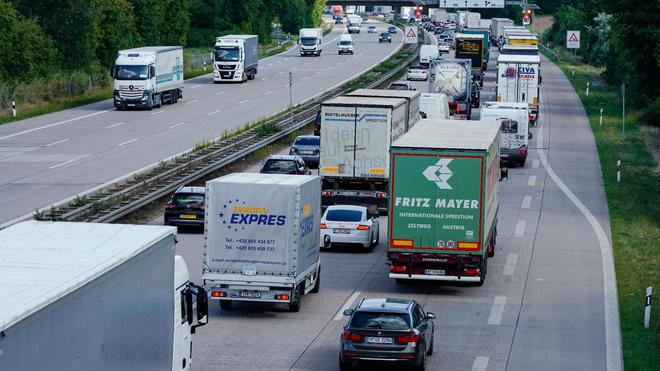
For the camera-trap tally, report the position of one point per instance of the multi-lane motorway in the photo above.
(53, 157)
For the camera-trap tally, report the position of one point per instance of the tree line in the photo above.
(42, 37)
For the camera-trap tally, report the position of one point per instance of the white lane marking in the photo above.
(268, 92)
(243, 101)
(305, 78)
(213, 112)
(115, 125)
(497, 310)
(58, 142)
(535, 163)
(264, 78)
(526, 202)
(531, 181)
(179, 124)
(63, 163)
(220, 93)
(480, 363)
(243, 85)
(520, 228)
(128, 141)
(157, 112)
(192, 101)
(510, 265)
(55, 124)
(610, 295)
(349, 303)
(195, 86)
(281, 72)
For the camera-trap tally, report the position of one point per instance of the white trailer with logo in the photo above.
(518, 80)
(261, 238)
(412, 98)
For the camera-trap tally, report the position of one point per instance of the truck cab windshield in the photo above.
(131, 72)
(308, 41)
(227, 54)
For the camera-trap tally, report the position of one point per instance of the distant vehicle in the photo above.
(400, 85)
(427, 54)
(453, 77)
(371, 29)
(186, 207)
(339, 20)
(348, 224)
(518, 80)
(384, 36)
(443, 48)
(394, 331)
(307, 147)
(417, 73)
(438, 30)
(285, 164)
(337, 11)
(391, 29)
(236, 58)
(311, 41)
(354, 23)
(345, 44)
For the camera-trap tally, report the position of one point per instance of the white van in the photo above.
(428, 53)
(434, 106)
(513, 119)
(345, 44)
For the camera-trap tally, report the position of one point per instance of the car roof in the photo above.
(394, 305)
(282, 157)
(191, 189)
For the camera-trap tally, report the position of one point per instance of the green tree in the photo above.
(116, 30)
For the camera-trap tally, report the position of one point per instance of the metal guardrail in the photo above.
(552, 52)
(120, 199)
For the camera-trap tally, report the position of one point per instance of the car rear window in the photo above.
(308, 141)
(384, 321)
(509, 126)
(188, 198)
(280, 166)
(344, 215)
(398, 87)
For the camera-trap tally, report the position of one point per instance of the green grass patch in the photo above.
(48, 107)
(634, 209)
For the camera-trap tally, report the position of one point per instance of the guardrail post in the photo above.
(647, 307)
(13, 108)
(587, 92)
(618, 171)
(601, 117)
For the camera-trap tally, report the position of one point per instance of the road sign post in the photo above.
(410, 35)
(647, 307)
(587, 92)
(13, 108)
(572, 39)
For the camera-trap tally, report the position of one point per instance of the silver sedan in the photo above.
(347, 224)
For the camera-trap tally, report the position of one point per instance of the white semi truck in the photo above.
(262, 238)
(518, 80)
(147, 77)
(235, 58)
(311, 41)
(92, 297)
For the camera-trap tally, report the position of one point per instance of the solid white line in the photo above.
(497, 310)
(510, 265)
(220, 93)
(243, 101)
(480, 363)
(129, 141)
(349, 303)
(281, 72)
(520, 228)
(192, 101)
(531, 181)
(243, 86)
(268, 92)
(55, 124)
(535, 163)
(59, 141)
(157, 112)
(195, 86)
(115, 125)
(173, 126)
(305, 78)
(526, 202)
(213, 112)
(62, 164)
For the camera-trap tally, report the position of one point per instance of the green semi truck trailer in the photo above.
(444, 197)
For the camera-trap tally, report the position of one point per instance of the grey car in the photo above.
(307, 147)
(395, 331)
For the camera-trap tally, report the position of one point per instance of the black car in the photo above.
(186, 207)
(391, 29)
(285, 164)
(384, 36)
(308, 147)
(388, 331)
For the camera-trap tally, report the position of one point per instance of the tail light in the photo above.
(170, 205)
(381, 195)
(282, 297)
(471, 271)
(362, 227)
(522, 152)
(326, 193)
(323, 226)
(348, 335)
(202, 206)
(218, 294)
(409, 338)
(398, 269)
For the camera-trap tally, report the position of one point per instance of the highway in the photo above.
(544, 303)
(53, 157)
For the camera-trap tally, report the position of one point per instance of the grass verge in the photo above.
(634, 209)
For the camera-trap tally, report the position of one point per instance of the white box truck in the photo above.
(427, 54)
(439, 15)
(92, 297)
(412, 98)
(513, 120)
(354, 23)
(473, 20)
(518, 80)
(356, 133)
(235, 58)
(147, 77)
(311, 41)
(497, 30)
(261, 239)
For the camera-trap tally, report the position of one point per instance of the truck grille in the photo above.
(227, 75)
(130, 94)
(226, 67)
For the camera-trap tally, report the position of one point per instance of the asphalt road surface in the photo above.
(53, 157)
(543, 306)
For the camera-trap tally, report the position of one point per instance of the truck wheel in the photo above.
(317, 285)
(491, 249)
(225, 304)
(344, 365)
(295, 306)
(484, 270)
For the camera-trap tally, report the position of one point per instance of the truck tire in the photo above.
(317, 285)
(225, 304)
(484, 270)
(294, 307)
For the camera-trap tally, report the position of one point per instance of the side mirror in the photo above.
(430, 315)
(112, 71)
(202, 306)
(529, 135)
(348, 312)
(504, 174)
(152, 71)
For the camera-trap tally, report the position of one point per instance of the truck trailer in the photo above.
(261, 238)
(444, 201)
(147, 77)
(92, 297)
(236, 58)
(497, 29)
(412, 98)
(518, 79)
(471, 46)
(485, 52)
(453, 77)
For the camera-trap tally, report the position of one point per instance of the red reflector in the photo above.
(323, 226)
(522, 151)
(362, 227)
(348, 335)
(381, 195)
(471, 271)
(410, 338)
(282, 297)
(218, 294)
(398, 269)
(326, 193)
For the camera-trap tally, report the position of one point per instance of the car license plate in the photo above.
(306, 152)
(379, 340)
(250, 294)
(347, 193)
(434, 272)
(342, 230)
(131, 104)
(188, 216)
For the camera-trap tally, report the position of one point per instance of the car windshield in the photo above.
(188, 198)
(131, 72)
(308, 41)
(227, 54)
(308, 141)
(280, 167)
(385, 34)
(385, 321)
(345, 42)
(338, 215)
(509, 126)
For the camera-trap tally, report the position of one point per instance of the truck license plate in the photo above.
(188, 216)
(250, 294)
(379, 340)
(342, 230)
(434, 272)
